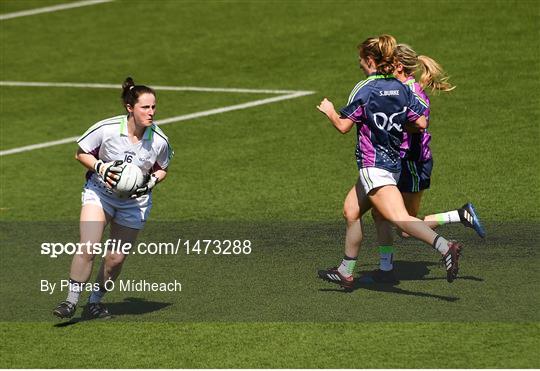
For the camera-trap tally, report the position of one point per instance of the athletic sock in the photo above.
(75, 289)
(97, 295)
(440, 244)
(386, 258)
(347, 265)
(448, 217)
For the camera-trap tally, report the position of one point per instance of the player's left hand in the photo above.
(412, 128)
(146, 188)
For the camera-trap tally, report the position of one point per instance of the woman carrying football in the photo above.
(132, 138)
(382, 108)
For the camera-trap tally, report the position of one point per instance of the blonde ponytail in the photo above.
(432, 75)
(387, 46)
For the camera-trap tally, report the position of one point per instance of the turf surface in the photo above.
(279, 345)
(276, 174)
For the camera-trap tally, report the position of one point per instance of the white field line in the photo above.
(235, 107)
(38, 146)
(156, 87)
(50, 9)
(290, 95)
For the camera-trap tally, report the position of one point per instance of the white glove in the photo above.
(147, 187)
(108, 171)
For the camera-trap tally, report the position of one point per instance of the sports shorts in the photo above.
(131, 213)
(415, 176)
(374, 177)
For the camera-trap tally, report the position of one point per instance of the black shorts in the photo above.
(415, 176)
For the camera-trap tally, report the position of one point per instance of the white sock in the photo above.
(386, 258)
(346, 268)
(441, 245)
(448, 217)
(74, 293)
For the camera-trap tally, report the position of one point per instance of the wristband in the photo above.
(97, 166)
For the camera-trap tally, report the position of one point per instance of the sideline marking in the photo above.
(50, 9)
(156, 87)
(283, 95)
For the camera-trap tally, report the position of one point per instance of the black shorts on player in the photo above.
(415, 176)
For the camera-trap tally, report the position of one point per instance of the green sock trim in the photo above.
(386, 249)
(440, 219)
(349, 265)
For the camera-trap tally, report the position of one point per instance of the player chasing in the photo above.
(131, 138)
(416, 163)
(382, 108)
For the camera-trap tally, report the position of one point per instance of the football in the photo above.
(131, 178)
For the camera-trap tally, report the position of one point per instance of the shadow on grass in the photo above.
(417, 271)
(128, 306)
(405, 271)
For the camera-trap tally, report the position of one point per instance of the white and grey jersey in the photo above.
(108, 141)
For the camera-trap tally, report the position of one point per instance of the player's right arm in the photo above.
(86, 159)
(342, 124)
(88, 152)
(108, 171)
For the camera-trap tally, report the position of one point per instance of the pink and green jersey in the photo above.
(381, 106)
(415, 147)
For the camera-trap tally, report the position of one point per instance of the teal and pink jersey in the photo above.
(381, 106)
(415, 147)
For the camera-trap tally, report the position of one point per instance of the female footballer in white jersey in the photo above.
(132, 138)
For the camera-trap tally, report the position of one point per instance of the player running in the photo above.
(381, 107)
(130, 138)
(417, 163)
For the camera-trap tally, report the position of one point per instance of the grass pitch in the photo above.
(276, 174)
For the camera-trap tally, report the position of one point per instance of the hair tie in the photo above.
(131, 87)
